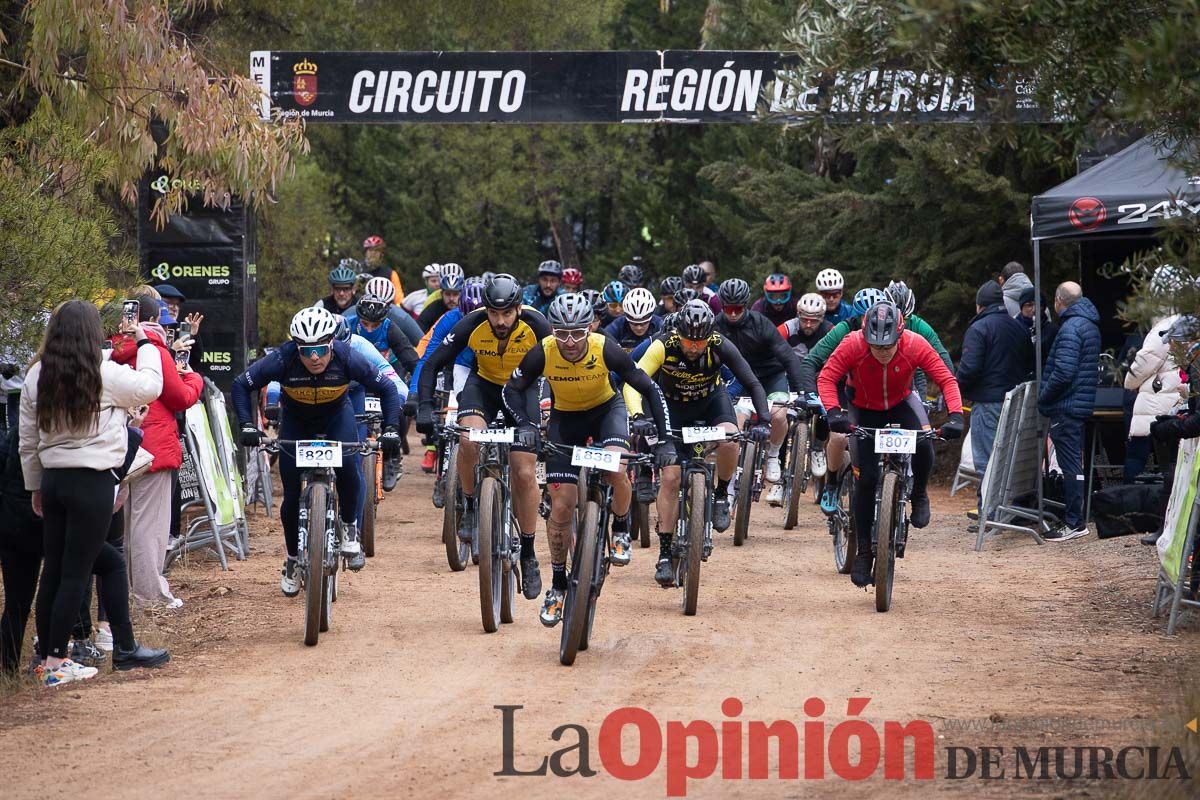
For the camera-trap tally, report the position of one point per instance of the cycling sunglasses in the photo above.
(571, 335)
(693, 342)
(733, 309)
(778, 298)
(837, 293)
(314, 350)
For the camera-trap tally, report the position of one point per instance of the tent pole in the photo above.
(1037, 372)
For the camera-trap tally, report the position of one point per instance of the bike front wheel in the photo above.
(885, 551)
(798, 465)
(458, 552)
(576, 604)
(745, 485)
(368, 526)
(845, 541)
(491, 567)
(697, 499)
(317, 516)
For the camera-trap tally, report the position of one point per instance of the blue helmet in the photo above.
(865, 298)
(452, 282)
(614, 292)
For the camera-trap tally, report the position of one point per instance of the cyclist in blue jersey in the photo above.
(315, 373)
(371, 321)
(538, 296)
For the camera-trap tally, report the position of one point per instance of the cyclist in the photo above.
(315, 373)
(451, 293)
(370, 320)
(638, 322)
(501, 334)
(831, 285)
(373, 254)
(666, 294)
(769, 356)
(471, 299)
(776, 302)
(880, 360)
(414, 302)
(803, 331)
(341, 287)
(694, 277)
(538, 296)
(632, 276)
(572, 280)
(576, 364)
(686, 364)
(599, 307)
(613, 294)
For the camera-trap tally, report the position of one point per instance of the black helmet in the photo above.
(595, 300)
(550, 267)
(502, 292)
(570, 310)
(694, 320)
(670, 285)
(902, 296)
(371, 309)
(685, 296)
(881, 324)
(632, 275)
(734, 292)
(694, 273)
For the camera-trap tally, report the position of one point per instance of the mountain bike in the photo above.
(797, 467)
(692, 543)
(371, 474)
(841, 521)
(644, 479)
(895, 447)
(458, 551)
(590, 553)
(321, 530)
(498, 543)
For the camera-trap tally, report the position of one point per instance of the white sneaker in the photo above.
(66, 672)
(817, 464)
(775, 495)
(176, 602)
(104, 640)
(350, 545)
(290, 582)
(774, 472)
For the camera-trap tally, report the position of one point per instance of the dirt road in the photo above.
(398, 700)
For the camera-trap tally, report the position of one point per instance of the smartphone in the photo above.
(185, 330)
(170, 336)
(181, 357)
(129, 313)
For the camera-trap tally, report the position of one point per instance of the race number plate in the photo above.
(607, 460)
(374, 406)
(493, 435)
(745, 405)
(895, 442)
(310, 454)
(703, 434)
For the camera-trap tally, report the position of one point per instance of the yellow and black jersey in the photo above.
(495, 358)
(685, 380)
(579, 385)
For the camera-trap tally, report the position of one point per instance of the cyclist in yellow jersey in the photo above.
(501, 334)
(576, 363)
(686, 364)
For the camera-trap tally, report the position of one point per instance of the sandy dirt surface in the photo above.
(1050, 643)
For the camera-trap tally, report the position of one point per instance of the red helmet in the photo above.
(777, 282)
(572, 276)
(372, 241)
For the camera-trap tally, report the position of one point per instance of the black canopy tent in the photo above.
(1125, 196)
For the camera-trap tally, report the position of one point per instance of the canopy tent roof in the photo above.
(1128, 193)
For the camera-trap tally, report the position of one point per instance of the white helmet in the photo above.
(451, 269)
(830, 280)
(811, 305)
(639, 305)
(312, 326)
(380, 290)
(431, 271)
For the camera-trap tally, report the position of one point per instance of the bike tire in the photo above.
(576, 604)
(315, 587)
(641, 522)
(327, 605)
(368, 528)
(845, 540)
(797, 463)
(458, 552)
(491, 570)
(741, 522)
(697, 498)
(885, 555)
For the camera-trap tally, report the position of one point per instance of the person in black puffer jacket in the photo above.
(20, 552)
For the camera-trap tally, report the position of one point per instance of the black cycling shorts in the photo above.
(606, 425)
(711, 410)
(481, 398)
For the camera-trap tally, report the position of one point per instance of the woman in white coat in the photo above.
(1155, 377)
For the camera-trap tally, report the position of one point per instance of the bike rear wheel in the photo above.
(885, 553)
(368, 529)
(798, 464)
(458, 552)
(697, 497)
(319, 510)
(641, 522)
(745, 481)
(576, 604)
(491, 568)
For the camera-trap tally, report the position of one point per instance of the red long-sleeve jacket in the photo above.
(878, 387)
(179, 393)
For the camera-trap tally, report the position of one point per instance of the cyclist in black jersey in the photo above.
(576, 364)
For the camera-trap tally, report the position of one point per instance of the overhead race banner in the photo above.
(679, 86)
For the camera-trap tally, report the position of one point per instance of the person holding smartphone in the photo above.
(187, 327)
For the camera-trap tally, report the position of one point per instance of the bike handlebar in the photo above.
(862, 432)
(362, 448)
(567, 449)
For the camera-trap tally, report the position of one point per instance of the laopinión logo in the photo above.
(853, 750)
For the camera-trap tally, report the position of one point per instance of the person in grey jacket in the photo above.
(1013, 281)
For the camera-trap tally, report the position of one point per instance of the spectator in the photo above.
(20, 552)
(1155, 377)
(776, 303)
(1068, 396)
(1049, 326)
(1184, 337)
(10, 392)
(996, 356)
(1013, 281)
(149, 501)
(73, 437)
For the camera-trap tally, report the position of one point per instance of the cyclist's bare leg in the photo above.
(468, 453)
(727, 453)
(835, 452)
(668, 496)
(622, 488)
(779, 426)
(526, 495)
(563, 497)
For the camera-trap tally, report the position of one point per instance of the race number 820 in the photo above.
(318, 454)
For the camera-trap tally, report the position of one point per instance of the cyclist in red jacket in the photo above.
(880, 360)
